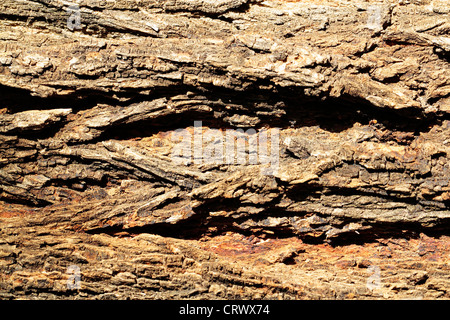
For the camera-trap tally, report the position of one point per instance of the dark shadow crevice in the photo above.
(201, 225)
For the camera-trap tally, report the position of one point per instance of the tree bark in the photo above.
(243, 149)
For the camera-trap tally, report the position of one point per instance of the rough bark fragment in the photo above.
(102, 172)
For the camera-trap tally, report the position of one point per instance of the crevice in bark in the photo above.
(202, 224)
(307, 112)
(19, 100)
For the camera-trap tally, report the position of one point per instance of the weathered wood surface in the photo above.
(354, 97)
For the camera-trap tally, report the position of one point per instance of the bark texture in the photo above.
(354, 97)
